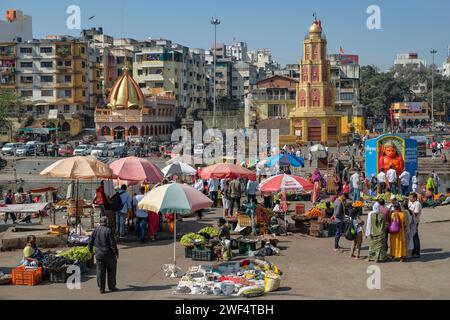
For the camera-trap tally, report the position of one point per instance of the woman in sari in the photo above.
(398, 240)
(317, 179)
(376, 230)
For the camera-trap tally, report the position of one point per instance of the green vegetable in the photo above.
(212, 232)
(188, 239)
(81, 254)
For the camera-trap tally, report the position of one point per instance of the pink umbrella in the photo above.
(136, 169)
(226, 171)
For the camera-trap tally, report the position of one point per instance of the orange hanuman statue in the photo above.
(389, 157)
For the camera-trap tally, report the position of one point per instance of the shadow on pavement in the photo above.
(433, 257)
(147, 288)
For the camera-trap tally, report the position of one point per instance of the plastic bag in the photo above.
(272, 282)
(251, 292)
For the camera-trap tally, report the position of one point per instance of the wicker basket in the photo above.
(6, 279)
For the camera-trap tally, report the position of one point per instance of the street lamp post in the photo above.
(215, 22)
(433, 52)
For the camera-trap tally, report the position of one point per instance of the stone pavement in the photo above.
(311, 270)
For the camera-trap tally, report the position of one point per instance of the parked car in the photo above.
(66, 150)
(83, 150)
(26, 150)
(10, 148)
(117, 143)
(42, 149)
(52, 150)
(102, 144)
(120, 152)
(99, 151)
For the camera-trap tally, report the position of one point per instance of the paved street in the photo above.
(311, 270)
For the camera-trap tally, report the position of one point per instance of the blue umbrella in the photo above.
(284, 160)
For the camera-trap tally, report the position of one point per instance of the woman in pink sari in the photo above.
(317, 179)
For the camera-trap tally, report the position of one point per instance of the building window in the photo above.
(83, 64)
(276, 110)
(68, 63)
(307, 52)
(83, 50)
(315, 94)
(302, 98)
(68, 78)
(66, 108)
(26, 65)
(83, 78)
(328, 98)
(29, 108)
(142, 85)
(26, 93)
(46, 49)
(46, 93)
(315, 73)
(46, 64)
(305, 73)
(46, 78)
(26, 79)
(315, 53)
(68, 93)
(51, 107)
(347, 96)
(84, 93)
(26, 50)
(324, 73)
(159, 85)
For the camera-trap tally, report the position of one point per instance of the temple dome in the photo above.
(315, 28)
(125, 93)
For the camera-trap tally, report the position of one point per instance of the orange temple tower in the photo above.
(314, 117)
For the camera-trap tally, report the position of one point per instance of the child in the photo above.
(358, 224)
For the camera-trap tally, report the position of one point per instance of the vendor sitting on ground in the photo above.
(32, 256)
(224, 231)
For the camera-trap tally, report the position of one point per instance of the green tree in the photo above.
(9, 101)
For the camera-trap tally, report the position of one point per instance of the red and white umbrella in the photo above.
(284, 182)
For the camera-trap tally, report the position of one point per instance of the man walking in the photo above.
(416, 208)
(106, 255)
(391, 177)
(355, 180)
(235, 194)
(252, 187)
(382, 181)
(405, 178)
(339, 217)
(122, 203)
(213, 187)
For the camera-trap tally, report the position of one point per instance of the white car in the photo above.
(10, 148)
(82, 150)
(100, 151)
(32, 143)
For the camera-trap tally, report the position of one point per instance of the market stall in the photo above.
(26, 209)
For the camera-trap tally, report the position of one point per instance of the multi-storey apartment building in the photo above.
(51, 74)
(244, 77)
(170, 67)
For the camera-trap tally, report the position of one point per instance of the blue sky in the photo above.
(407, 25)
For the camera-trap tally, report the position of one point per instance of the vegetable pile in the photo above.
(314, 213)
(80, 254)
(51, 261)
(323, 205)
(358, 204)
(212, 232)
(188, 239)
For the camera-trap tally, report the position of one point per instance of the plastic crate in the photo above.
(26, 277)
(58, 277)
(202, 255)
(245, 247)
(188, 252)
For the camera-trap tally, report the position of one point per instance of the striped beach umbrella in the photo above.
(284, 182)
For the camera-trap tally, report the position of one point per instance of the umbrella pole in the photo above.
(287, 209)
(174, 239)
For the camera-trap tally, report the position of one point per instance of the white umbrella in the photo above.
(179, 169)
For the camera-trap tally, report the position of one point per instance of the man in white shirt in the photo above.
(213, 188)
(416, 208)
(198, 185)
(391, 176)
(382, 181)
(405, 178)
(355, 181)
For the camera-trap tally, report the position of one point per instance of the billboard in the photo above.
(349, 59)
(415, 106)
(391, 150)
